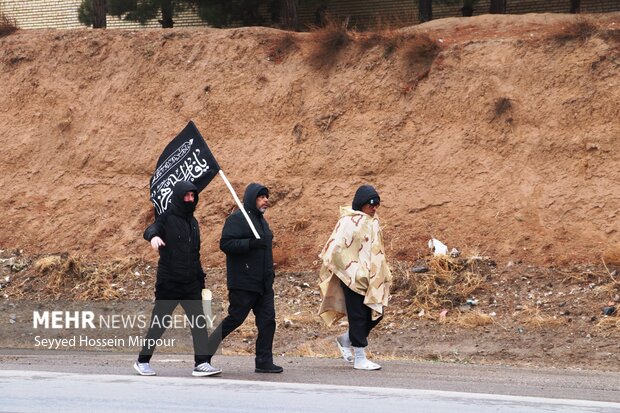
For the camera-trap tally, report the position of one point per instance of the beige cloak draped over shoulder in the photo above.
(355, 255)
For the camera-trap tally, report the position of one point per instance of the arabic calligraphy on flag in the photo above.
(186, 158)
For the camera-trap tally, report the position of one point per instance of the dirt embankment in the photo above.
(503, 142)
(496, 134)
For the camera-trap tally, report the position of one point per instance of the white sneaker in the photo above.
(144, 369)
(365, 365)
(361, 362)
(347, 355)
(205, 369)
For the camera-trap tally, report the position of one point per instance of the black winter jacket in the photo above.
(179, 259)
(248, 269)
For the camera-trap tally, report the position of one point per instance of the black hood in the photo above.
(364, 194)
(251, 193)
(178, 193)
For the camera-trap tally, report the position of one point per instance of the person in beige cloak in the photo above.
(355, 277)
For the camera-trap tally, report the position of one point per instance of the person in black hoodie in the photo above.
(249, 273)
(180, 278)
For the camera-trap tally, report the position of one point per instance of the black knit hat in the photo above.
(365, 194)
(263, 191)
(374, 201)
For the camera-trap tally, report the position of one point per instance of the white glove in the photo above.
(157, 242)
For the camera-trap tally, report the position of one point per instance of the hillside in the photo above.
(496, 134)
(84, 115)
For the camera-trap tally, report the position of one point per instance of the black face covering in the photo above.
(188, 207)
(178, 205)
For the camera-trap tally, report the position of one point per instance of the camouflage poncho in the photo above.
(354, 254)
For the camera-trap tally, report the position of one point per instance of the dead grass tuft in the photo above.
(534, 318)
(47, 264)
(502, 105)
(282, 46)
(301, 224)
(381, 35)
(608, 326)
(317, 348)
(580, 29)
(367, 41)
(611, 35)
(470, 319)
(419, 50)
(83, 280)
(448, 283)
(327, 42)
(612, 287)
(7, 25)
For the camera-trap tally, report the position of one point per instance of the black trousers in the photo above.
(168, 295)
(359, 316)
(240, 302)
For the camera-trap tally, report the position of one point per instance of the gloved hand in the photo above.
(157, 242)
(258, 243)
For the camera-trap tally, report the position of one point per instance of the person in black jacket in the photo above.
(180, 278)
(249, 273)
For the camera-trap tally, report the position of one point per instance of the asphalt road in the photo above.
(33, 391)
(107, 382)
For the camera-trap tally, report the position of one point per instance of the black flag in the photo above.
(186, 158)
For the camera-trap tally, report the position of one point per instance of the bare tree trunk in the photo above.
(468, 8)
(498, 7)
(288, 14)
(99, 14)
(425, 8)
(575, 6)
(167, 11)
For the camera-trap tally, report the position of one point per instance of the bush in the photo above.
(327, 42)
(580, 29)
(419, 50)
(502, 105)
(7, 25)
(282, 46)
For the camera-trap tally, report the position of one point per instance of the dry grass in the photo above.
(502, 105)
(282, 46)
(7, 25)
(317, 348)
(470, 319)
(580, 29)
(327, 42)
(73, 277)
(611, 35)
(612, 287)
(608, 326)
(300, 224)
(383, 33)
(367, 41)
(381, 23)
(534, 318)
(47, 264)
(577, 277)
(448, 283)
(419, 50)
(322, 348)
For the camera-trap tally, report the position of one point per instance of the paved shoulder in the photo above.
(34, 391)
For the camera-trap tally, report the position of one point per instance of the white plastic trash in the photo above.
(437, 247)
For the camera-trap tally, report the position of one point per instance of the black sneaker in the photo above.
(268, 368)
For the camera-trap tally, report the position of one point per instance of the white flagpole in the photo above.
(239, 204)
